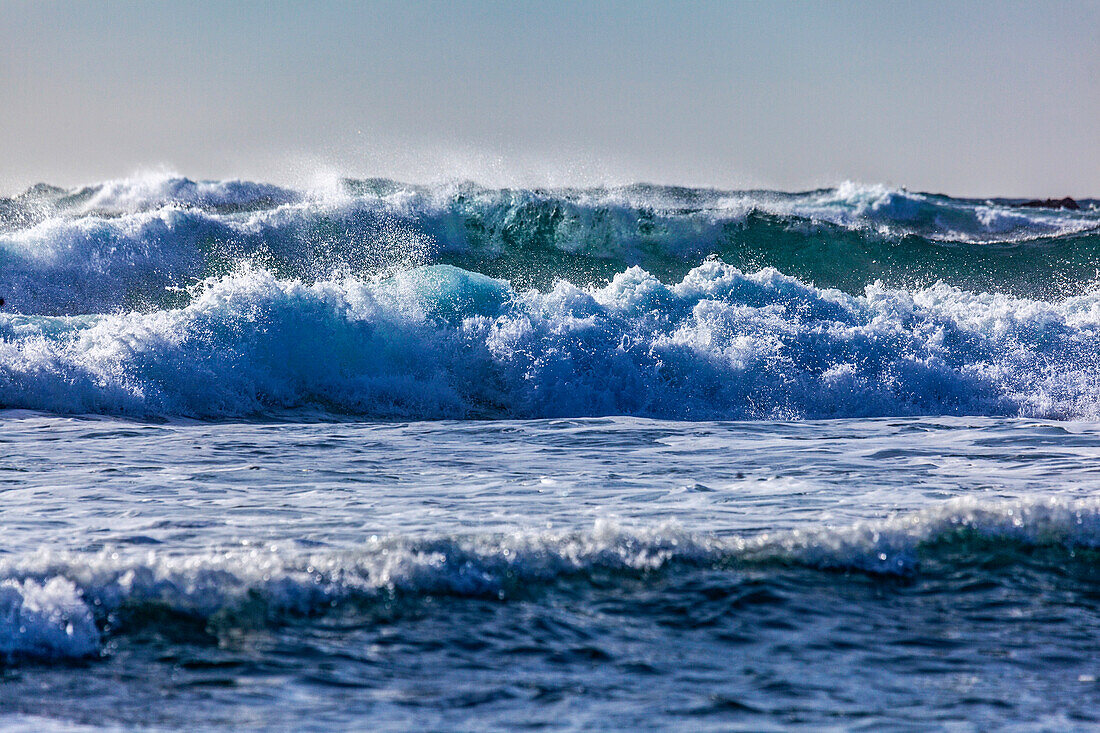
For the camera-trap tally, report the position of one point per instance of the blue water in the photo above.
(389, 457)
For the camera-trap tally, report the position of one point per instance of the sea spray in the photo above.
(438, 342)
(133, 244)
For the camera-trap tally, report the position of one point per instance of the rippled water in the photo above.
(600, 573)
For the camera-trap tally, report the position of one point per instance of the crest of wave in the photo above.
(438, 342)
(52, 604)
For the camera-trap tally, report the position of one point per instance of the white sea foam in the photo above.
(893, 545)
(49, 600)
(442, 342)
(120, 244)
(155, 190)
(46, 619)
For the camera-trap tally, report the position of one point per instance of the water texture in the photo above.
(374, 455)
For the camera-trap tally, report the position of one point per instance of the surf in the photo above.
(439, 342)
(137, 244)
(65, 605)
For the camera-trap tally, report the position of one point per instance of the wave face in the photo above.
(58, 605)
(217, 299)
(130, 244)
(441, 342)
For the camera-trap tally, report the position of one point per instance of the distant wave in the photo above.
(61, 605)
(131, 244)
(163, 296)
(441, 342)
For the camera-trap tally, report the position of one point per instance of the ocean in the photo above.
(372, 455)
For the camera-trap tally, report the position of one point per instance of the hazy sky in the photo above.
(968, 98)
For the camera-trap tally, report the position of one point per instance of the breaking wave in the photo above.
(163, 296)
(441, 342)
(132, 244)
(63, 605)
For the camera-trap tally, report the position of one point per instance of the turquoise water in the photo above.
(383, 456)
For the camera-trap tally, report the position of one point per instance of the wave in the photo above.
(62, 605)
(440, 342)
(851, 205)
(133, 243)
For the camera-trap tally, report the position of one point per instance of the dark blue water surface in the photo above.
(600, 573)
